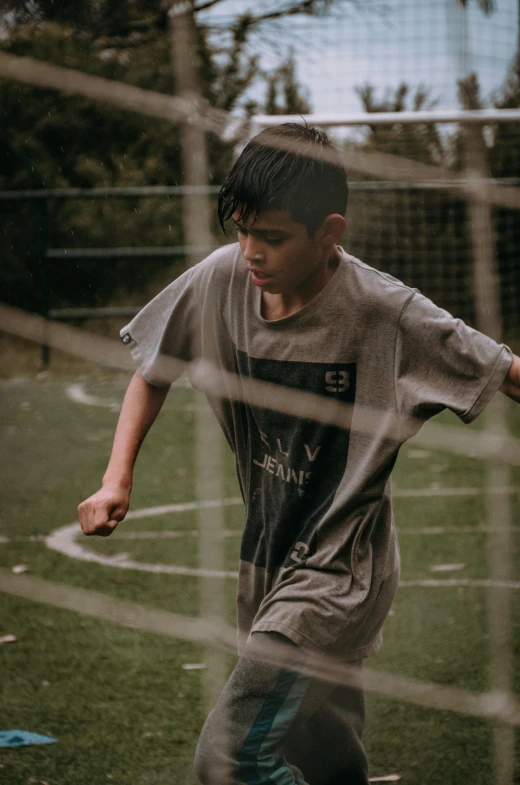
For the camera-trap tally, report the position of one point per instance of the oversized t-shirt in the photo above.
(319, 558)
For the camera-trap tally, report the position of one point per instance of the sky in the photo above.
(385, 42)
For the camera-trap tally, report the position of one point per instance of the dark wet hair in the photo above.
(291, 167)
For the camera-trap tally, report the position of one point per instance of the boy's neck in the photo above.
(281, 305)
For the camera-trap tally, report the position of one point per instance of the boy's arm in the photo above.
(511, 385)
(100, 513)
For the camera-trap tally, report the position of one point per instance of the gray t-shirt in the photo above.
(319, 558)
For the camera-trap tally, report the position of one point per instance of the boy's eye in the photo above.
(242, 231)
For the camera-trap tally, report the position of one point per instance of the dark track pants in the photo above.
(272, 726)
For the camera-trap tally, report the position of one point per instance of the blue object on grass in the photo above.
(21, 738)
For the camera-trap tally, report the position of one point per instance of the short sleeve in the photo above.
(441, 363)
(163, 333)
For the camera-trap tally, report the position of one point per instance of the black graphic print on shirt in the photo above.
(295, 464)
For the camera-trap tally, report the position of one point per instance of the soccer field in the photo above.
(119, 701)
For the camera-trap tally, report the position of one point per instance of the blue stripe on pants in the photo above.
(269, 727)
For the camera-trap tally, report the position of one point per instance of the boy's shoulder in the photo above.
(364, 285)
(221, 263)
(372, 278)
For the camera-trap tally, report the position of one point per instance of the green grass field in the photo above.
(118, 700)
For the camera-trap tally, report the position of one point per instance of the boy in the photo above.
(319, 557)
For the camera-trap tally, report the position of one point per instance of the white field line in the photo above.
(149, 512)
(409, 493)
(450, 583)
(491, 705)
(64, 541)
(168, 534)
(76, 393)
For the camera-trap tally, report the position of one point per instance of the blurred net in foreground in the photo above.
(409, 227)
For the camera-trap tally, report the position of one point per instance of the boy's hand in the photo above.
(100, 513)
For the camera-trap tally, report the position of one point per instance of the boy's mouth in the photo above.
(259, 278)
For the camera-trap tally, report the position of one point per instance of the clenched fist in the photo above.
(100, 513)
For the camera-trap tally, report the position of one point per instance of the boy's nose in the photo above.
(252, 250)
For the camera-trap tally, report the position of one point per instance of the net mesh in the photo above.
(423, 225)
(422, 236)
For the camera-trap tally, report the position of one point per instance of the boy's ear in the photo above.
(332, 228)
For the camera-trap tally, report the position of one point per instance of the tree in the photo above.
(113, 18)
(284, 95)
(76, 142)
(415, 234)
(421, 142)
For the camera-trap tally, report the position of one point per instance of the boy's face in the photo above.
(279, 251)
